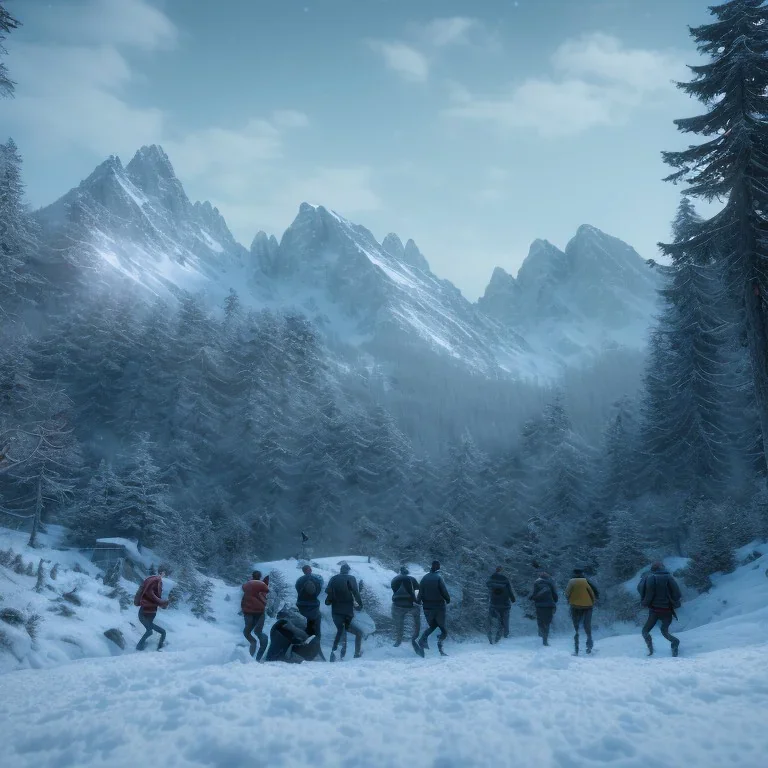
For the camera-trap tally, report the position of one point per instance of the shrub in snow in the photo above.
(624, 555)
(30, 569)
(77, 569)
(32, 624)
(72, 597)
(12, 616)
(279, 592)
(6, 557)
(709, 549)
(17, 564)
(125, 600)
(62, 609)
(174, 597)
(116, 636)
(201, 593)
(55, 571)
(40, 583)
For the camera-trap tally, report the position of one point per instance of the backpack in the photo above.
(404, 592)
(498, 590)
(309, 588)
(139, 594)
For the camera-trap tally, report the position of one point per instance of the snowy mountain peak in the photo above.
(151, 160)
(573, 303)
(414, 257)
(151, 171)
(393, 245)
(265, 250)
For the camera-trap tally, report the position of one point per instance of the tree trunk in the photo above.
(38, 512)
(757, 332)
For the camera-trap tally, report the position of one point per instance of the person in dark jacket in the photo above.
(433, 596)
(309, 587)
(545, 598)
(342, 595)
(405, 605)
(501, 598)
(150, 599)
(660, 594)
(582, 595)
(289, 642)
(253, 605)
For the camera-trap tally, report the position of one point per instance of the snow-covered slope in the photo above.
(381, 299)
(139, 221)
(571, 304)
(204, 702)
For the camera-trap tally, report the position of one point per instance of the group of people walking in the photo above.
(288, 641)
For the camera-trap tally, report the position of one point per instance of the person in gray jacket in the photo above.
(433, 596)
(342, 595)
(500, 597)
(404, 605)
(660, 594)
(545, 598)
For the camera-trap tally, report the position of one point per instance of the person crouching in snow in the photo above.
(582, 595)
(253, 606)
(289, 642)
(149, 598)
(660, 594)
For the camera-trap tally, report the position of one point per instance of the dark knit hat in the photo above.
(404, 570)
(578, 573)
(435, 565)
(345, 568)
(307, 569)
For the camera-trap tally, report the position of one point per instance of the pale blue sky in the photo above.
(473, 127)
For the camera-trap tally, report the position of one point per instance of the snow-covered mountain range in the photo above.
(381, 298)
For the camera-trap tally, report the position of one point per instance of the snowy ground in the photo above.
(204, 702)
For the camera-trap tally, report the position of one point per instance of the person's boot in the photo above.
(544, 638)
(161, 643)
(649, 643)
(590, 645)
(397, 644)
(252, 649)
(333, 653)
(343, 652)
(676, 648)
(423, 643)
(576, 644)
(358, 647)
(490, 638)
(440, 648)
(260, 653)
(416, 647)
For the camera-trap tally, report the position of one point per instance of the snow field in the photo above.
(204, 702)
(512, 705)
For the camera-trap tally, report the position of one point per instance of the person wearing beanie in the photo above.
(309, 586)
(342, 595)
(434, 597)
(660, 594)
(545, 598)
(501, 598)
(581, 594)
(405, 605)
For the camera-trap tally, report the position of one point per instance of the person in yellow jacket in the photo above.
(581, 594)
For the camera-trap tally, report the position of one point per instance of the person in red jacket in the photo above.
(253, 605)
(150, 598)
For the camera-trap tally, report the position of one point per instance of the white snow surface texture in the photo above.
(204, 702)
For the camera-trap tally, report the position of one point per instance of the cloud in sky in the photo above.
(596, 81)
(403, 59)
(72, 97)
(413, 59)
(449, 31)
